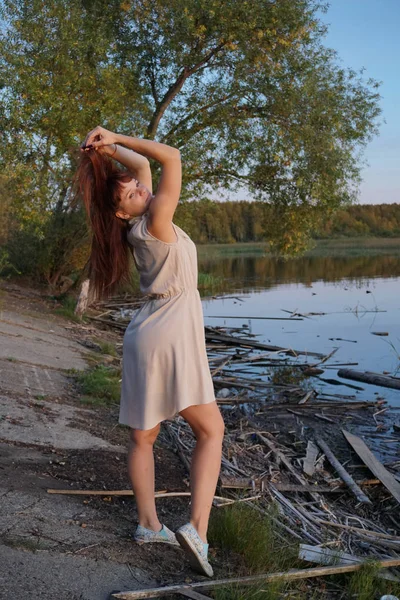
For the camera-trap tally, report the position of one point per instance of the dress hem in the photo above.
(166, 418)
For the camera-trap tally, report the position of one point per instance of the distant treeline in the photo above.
(363, 220)
(242, 221)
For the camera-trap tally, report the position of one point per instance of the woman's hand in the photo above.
(97, 138)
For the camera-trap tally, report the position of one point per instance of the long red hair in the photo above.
(98, 183)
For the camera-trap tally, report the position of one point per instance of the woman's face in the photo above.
(135, 199)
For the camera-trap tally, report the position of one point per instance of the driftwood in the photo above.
(291, 575)
(253, 459)
(243, 483)
(347, 478)
(307, 397)
(373, 464)
(359, 530)
(210, 334)
(311, 457)
(281, 457)
(368, 377)
(244, 317)
(329, 404)
(124, 493)
(326, 556)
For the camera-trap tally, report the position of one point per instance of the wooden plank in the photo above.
(123, 493)
(373, 464)
(326, 556)
(243, 483)
(291, 575)
(311, 457)
(347, 478)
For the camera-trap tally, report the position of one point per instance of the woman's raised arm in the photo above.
(165, 201)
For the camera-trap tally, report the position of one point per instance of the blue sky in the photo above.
(365, 33)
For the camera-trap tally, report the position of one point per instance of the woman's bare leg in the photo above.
(141, 475)
(208, 426)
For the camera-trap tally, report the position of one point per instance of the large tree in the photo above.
(245, 89)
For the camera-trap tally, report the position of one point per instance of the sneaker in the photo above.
(195, 548)
(145, 536)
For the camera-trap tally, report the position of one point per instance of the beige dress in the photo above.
(165, 366)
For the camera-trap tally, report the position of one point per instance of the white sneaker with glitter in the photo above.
(143, 535)
(195, 548)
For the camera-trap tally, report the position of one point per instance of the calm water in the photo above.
(344, 288)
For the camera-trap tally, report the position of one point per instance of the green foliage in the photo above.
(68, 309)
(6, 267)
(380, 220)
(206, 282)
(243, 530)
(261, 546)
(243, 221)
(246, 91)
(57, 249)
(254, 537)
(106, 347)
(99, 385)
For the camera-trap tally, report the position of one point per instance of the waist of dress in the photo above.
(169, 293)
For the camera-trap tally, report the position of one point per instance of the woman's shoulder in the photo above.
(134, 226)
(139, 232)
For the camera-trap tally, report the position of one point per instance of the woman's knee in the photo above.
(206, 421)
(143, 437)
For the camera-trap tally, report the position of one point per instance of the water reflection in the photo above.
(349, 290)
(247, 273)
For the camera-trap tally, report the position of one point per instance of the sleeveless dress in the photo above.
(164, 364)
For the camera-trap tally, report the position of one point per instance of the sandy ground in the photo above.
(65, 546)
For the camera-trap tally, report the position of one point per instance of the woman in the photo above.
(165, 367)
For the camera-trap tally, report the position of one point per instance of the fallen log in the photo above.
(372, 378)
(291, 575)
(246, 317)
(237, 341)
(347, 478)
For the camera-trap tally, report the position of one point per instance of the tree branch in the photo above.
(175, 88)
(190, 116)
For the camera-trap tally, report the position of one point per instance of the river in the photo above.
(359, 296)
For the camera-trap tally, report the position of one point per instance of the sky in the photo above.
(365, 33)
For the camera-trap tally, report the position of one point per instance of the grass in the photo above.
(355, 247)
(260, 547)
(99, 385)
(209, 283)
(254, 537)
(68, 309)
(237, 248)
(323, 247)
(106, 347)
(240, 528)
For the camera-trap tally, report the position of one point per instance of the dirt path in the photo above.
(63, 546)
